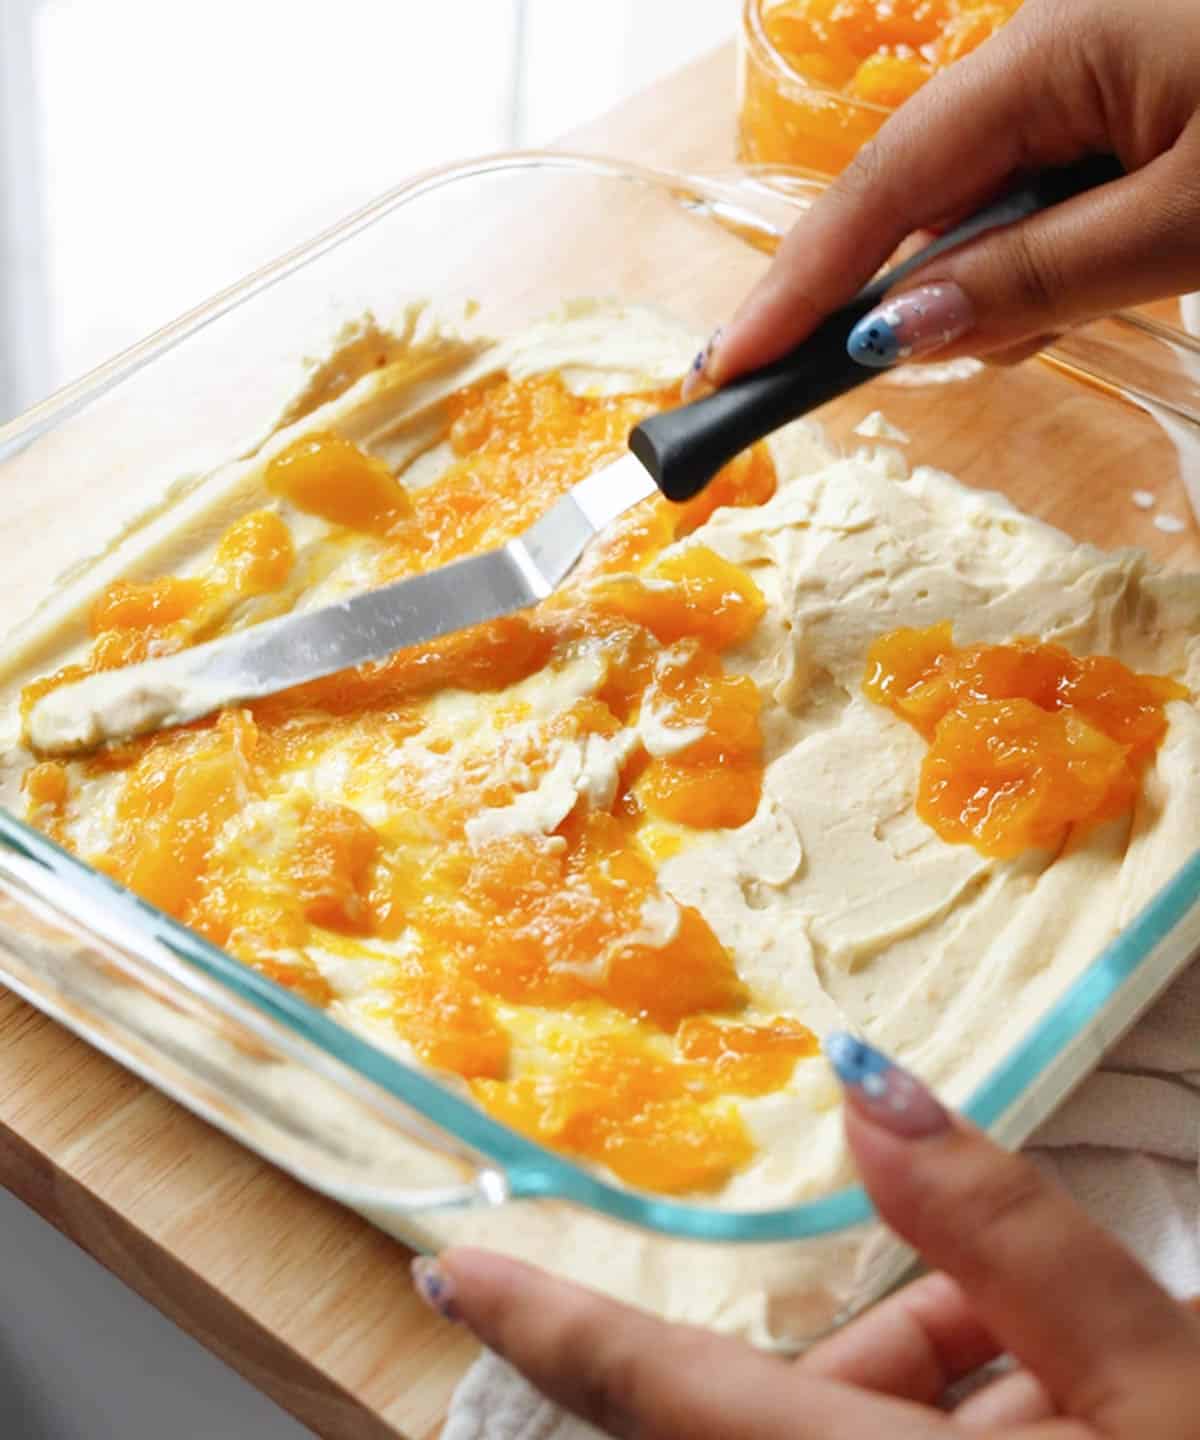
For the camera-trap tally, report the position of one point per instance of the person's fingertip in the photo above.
(882, 1092)
(911, 324)
(701, 378)
(435, 1286)
(694, 382)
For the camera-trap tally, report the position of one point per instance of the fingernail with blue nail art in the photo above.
(698, 381)
(882, 1091)
(434, 1286)
(909, 325)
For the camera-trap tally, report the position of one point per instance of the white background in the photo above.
(152, 152)
(157, 151)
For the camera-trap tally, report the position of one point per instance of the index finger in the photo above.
(944, 152)
(632, 1375)
(1051, 1285)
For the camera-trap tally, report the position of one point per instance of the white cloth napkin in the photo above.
(1126, 1145)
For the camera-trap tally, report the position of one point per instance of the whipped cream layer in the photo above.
(840, 907)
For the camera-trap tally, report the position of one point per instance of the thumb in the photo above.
(1053, 1287)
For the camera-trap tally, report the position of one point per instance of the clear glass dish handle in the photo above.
(124, 992)
(1136, 358)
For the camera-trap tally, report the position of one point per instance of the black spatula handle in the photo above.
(684, 448)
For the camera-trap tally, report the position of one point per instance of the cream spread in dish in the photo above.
(833, 904)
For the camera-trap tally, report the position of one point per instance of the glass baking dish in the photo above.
(502, 241)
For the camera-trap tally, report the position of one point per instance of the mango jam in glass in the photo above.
(817, 78)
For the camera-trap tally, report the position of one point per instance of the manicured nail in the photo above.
(698, 381)
(882, 1091)
(434, 1286)
(912, 324)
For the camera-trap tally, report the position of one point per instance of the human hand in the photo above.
(1064, 78)
(1103, 1352)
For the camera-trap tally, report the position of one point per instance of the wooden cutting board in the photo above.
(306, 1300)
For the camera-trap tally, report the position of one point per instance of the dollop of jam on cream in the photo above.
(1025, 739)
(535, 956)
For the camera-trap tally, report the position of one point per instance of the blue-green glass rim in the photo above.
(532, 1171)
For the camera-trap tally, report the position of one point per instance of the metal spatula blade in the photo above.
(679, 451)
(279, 654)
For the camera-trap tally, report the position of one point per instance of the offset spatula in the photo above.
(677, 453)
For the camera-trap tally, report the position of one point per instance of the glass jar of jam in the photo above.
(817, 78)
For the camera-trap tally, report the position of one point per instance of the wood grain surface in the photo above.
(306, 1300)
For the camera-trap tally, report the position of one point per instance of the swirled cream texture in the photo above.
(730, 818)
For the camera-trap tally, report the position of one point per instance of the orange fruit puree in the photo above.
(879, 52)
(1026, 739)
(660, 1118)
(221, 824)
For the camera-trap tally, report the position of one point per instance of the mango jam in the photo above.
(1025, 740)
(819, 77)
(547, 971)
(325, 475)
(133, 620)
